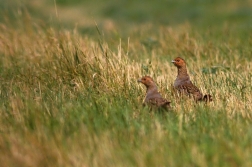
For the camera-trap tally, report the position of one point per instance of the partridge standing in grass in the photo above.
(184, 85)
(153, 98)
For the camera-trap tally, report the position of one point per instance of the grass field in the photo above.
(69, 94)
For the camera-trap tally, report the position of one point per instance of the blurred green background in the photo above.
(201, 14)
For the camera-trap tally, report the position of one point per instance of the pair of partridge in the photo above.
(182, 84)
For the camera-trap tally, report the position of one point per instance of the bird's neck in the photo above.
(152, 89)
(182, 73)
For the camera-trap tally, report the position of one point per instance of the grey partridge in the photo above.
(184, 85)
(153, 99)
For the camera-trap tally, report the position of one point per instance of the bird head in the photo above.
(179, 62)
(146, 80)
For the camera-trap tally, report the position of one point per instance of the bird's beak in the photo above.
(139, 80)
(173, 61)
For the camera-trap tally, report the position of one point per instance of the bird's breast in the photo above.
(180, 82)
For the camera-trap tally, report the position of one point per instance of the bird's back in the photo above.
(188, 88)
(156, 100)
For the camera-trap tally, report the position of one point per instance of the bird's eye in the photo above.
(144, 79)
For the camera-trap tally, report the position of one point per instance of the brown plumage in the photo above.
(184, 85)
(153, 98)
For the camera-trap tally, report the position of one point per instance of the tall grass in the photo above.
(68, 99)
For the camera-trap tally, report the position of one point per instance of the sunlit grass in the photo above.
(71, 99)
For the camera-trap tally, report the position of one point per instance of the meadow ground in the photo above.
(69, 94)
